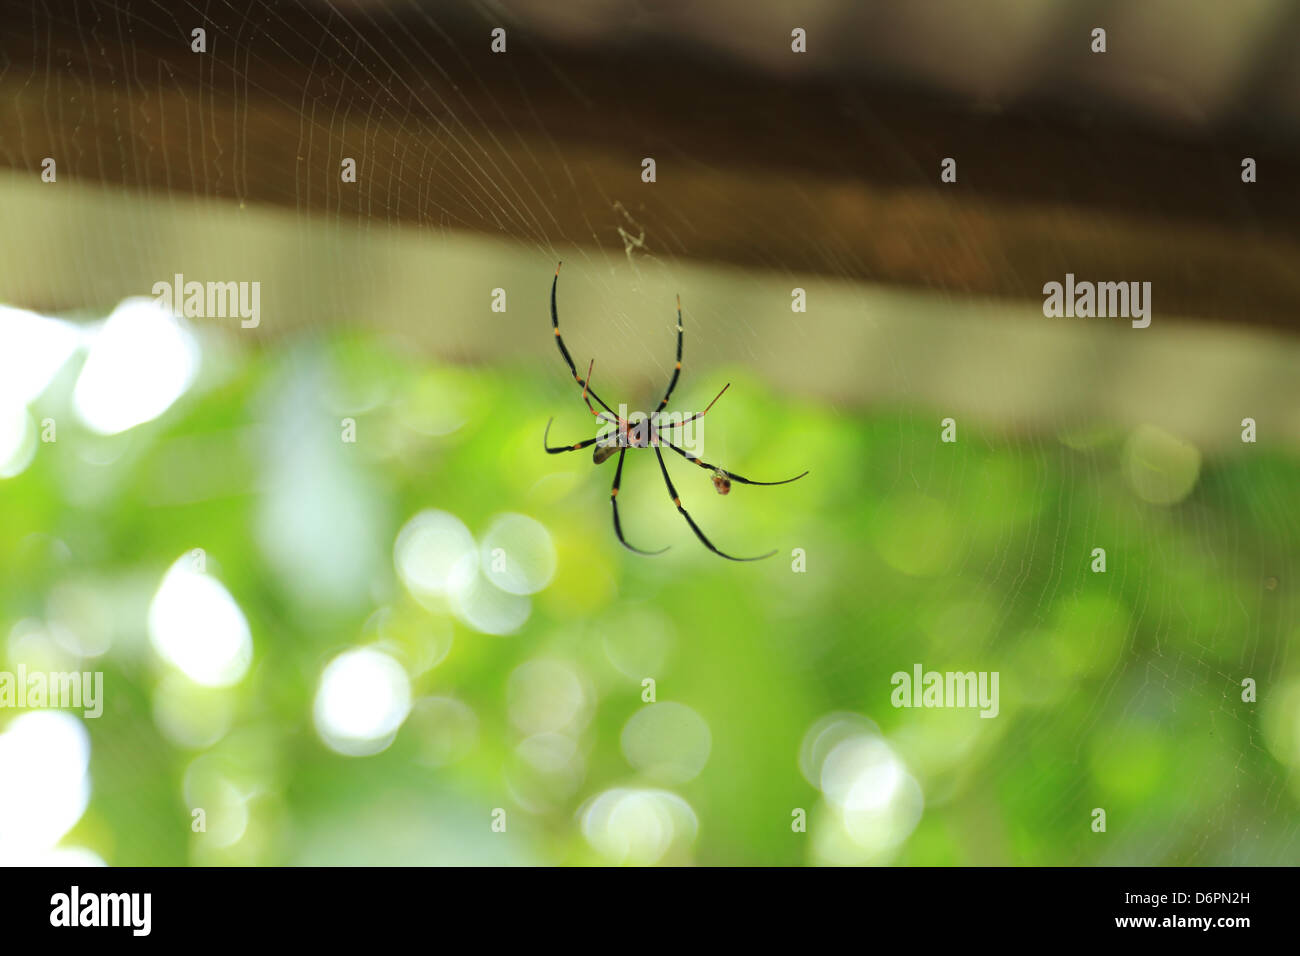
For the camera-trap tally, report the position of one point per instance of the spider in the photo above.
(645, 433)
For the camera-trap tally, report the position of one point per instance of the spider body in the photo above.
(627, 434)
(646, 432)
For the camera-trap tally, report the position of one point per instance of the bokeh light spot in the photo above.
(518, 555)
(544, 696)
(639, 827)
(668, 741)
(363, 698)
(1160, 468)
(141, 360)
(44, 756)
(196, 626)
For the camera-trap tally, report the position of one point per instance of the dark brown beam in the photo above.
(543, 144)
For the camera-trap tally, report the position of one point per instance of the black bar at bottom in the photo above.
(308, 905)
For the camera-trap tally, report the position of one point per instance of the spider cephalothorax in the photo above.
(621, 433)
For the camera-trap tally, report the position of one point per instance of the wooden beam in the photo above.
(543, 145)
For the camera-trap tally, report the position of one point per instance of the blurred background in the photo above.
(345, 605)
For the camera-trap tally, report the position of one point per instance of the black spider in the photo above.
(645, 433)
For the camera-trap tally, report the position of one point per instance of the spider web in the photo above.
(1105, 677)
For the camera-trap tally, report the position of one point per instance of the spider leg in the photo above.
(555, 451)
(677, 372)
(698, 414)
(586, 390)
(734, 477)
(568, 359)
(691, 521)
(613, 500)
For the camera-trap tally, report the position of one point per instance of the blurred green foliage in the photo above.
(1119, 690)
